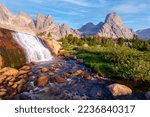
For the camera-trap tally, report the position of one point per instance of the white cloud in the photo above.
(129, 8)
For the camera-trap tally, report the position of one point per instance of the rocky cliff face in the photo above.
(47, 26)
(44, 24)
(11, 54)
(143, 34)
(113, 27)
(22, 22)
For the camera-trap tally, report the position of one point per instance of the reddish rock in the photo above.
(88, 77)
(79, 72)
(26, 67)
(20, 82)
(10, 71)
(118, 90)
(60, 80)
(2, 78)
(42, 81)
(14, 86)
(44, 70)
(2, 94)
(30, 73)
(23, 76)
(23, 72)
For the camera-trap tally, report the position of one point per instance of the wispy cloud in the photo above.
(129, 7)
(77, 2)
(65, 12)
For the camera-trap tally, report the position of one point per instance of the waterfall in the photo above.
(33, 47)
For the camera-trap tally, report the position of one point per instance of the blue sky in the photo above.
(134, 13)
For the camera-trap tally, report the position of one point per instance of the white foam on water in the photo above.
(33, 47)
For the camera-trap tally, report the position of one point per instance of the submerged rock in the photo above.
(42, 81)
(44, 70)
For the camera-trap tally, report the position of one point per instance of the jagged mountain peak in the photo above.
(114, 27)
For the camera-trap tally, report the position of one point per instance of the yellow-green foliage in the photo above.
(118, 62)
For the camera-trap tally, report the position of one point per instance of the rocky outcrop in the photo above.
(21, 22)
(143, 34)
(48, 28)
(11, 53)
(11, 82)
(113, 27)
(44, 25)
(43, 21)
(52, 44)
(119, 90)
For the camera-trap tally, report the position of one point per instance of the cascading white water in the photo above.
(33, 47)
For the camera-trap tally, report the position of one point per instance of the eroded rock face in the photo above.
(114, 28)
(43, 25)
(53, 45)
(10, 82)
(119, 90)
(21, 22)
(11, 53)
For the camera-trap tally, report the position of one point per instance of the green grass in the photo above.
(118, 61)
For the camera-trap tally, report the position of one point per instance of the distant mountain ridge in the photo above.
(113, 27)
(143, 34)
(24, 23)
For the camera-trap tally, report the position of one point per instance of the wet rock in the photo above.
(19, 88)
(54, 46)
(60, 80)
(2, 94)
(79, 72)
(26, 67)
(42, 81)
(96, 76)
(44, 70)
(8, 78)
(23, 76)
(30, 73)
(88, 77)
(118, 89)
(21, 72)
(14, 86)
(10, 84)
(12, 79)
(20, 82)
(3, 90)
(4, 69)
(10, 71)
(147, 95)
(2, 78)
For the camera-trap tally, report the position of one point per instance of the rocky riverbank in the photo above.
(59, 79)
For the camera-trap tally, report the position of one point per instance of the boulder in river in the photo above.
(118, 89)
(42, 81)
